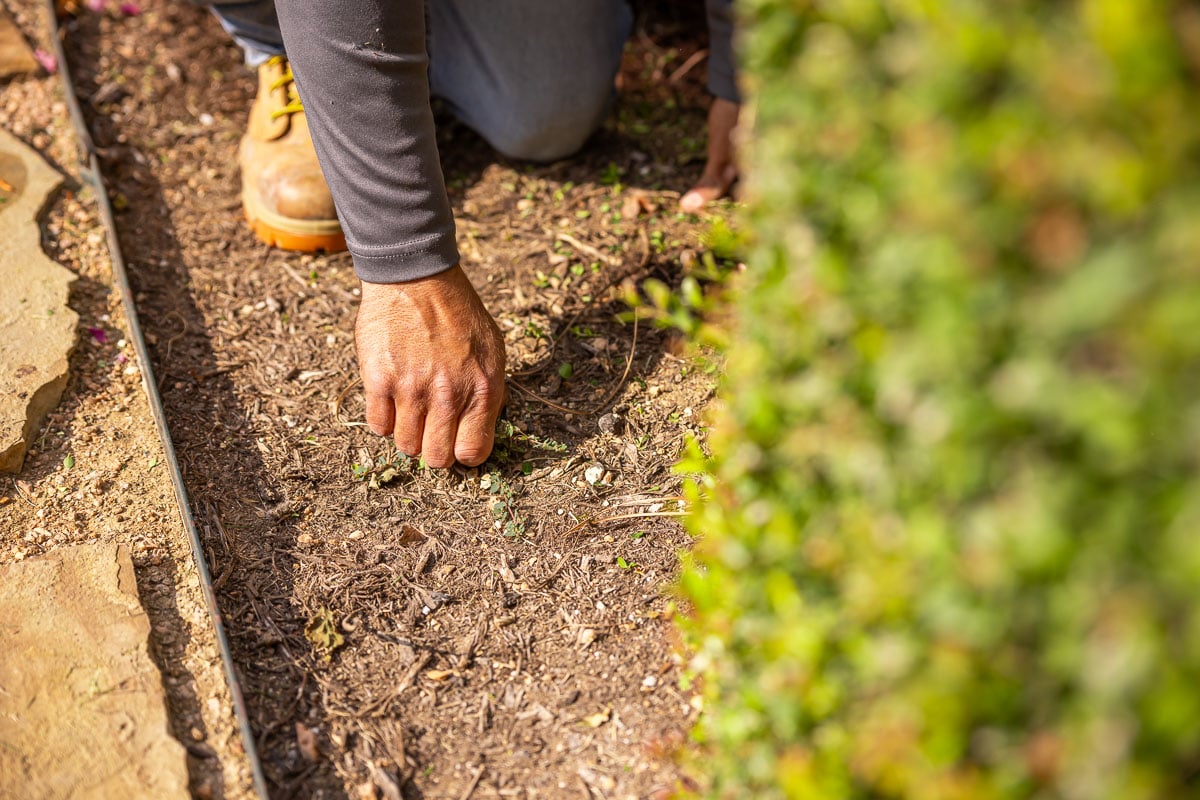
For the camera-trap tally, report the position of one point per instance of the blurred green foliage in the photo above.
(950, 545)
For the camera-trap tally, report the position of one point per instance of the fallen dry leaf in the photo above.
(439, 674)
(322, 631)
(409, 536)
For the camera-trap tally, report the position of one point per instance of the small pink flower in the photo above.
(96, 5)
(130, 9)
(98, 335)
(47, 60)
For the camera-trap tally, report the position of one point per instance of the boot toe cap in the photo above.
(296, 191)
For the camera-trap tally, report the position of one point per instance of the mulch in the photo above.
(401, 631)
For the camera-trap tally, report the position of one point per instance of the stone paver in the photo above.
(37, 329)
(81, 703)
(15, 56)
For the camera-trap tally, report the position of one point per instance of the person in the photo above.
(340, 153)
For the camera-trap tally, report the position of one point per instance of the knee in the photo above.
(548, 130)
(537, 143)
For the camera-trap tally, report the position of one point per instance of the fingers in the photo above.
(477, 429)
(432, 361)
(410, 425)
(700, 195)
(711, 186)
(441, 429)
(443, 432)
(381, 413)
(451, 433)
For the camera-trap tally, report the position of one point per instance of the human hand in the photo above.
(432, 364)
(720, 171)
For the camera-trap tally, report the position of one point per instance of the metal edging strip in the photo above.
(90, 171)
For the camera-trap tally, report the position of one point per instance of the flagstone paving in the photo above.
(15, 56)
(81, 703)
(37, 329)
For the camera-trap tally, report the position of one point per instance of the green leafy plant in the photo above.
(512, 443)
(385, 469)
(503, 506)
(948, 548)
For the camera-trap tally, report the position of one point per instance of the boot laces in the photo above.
(288, 83)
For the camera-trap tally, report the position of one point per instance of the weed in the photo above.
(503, 505)
(612, 174)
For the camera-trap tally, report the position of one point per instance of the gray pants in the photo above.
(533, 77)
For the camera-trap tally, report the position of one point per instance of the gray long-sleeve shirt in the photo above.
(362, 72)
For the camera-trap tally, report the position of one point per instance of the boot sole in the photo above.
(300, 235)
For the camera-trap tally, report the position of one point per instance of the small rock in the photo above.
(609, 423)
(593, 474)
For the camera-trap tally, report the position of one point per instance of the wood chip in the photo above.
(306, 740)
(597, 719)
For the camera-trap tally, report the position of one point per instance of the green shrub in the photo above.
(950, 547)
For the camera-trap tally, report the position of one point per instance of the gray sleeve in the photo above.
(722, 67)
(362, 72)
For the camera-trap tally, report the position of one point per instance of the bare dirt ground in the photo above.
(400, 631)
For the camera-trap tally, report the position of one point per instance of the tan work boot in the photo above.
(284, 194)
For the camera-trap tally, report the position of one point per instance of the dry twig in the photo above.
(686, 67)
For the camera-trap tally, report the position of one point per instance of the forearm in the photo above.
(362, 72)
